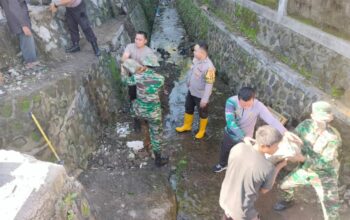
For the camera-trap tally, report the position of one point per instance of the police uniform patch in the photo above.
(210, 76)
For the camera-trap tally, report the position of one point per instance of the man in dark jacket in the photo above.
(76, 15)
(17, 16)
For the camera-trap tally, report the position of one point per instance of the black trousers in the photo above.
(132, 92)
(77, 16)
(191, 102)
(226, 146)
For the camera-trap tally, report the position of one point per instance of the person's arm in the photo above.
(209, 79)
(126, 55)
(319, 161)
(231, 119)
(61, 2)
(272, 177)
(267, 116)
(21, 18)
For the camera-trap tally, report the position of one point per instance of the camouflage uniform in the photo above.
(320, 169)
(147, 104)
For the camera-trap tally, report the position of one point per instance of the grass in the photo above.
(85, 209)
(181, 166)
(273, 4)
(116, 75)
(337, 92)
(6, 111)
(25, 105)
(35, 136)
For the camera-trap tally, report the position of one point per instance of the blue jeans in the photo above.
(27, 46)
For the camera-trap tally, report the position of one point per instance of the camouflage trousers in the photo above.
(325, 185)
(152, 113)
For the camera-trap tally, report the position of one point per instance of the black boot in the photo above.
(95, 48)
(282, 205)
(73, 48)
(137, 125)
(159, 160)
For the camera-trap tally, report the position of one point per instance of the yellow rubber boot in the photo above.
(187, 126)
(202, 127)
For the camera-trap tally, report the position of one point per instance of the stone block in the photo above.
(39, 190)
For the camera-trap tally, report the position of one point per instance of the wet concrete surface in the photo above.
(119, 180)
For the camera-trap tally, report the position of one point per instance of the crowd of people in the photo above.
(248, 170)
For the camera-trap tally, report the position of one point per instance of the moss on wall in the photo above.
(149, 7)
(269, 3)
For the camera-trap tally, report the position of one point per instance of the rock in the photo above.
(100, 162)
(135, 145)
(33, 189)
(2, 79)
(347, 194)
(131, 156)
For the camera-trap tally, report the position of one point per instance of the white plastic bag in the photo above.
(289, 147)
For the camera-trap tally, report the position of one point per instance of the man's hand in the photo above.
(293, 137)
(299, 158)
(203, 104)
(53, 8)
(282, 164)
(27, 31)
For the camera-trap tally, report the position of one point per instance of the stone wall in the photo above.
(327, 69)
(332, 14)
(240, 63)
(71, 109)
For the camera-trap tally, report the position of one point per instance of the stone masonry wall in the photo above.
(72, 105)
(325, 68)
(240, 63)
(334, 14)
(71, 111)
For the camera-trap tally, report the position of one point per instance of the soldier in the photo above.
(147, 104)
(320, 165)
(76, 15)
(136, 51)
(200, 85)
(17, 15)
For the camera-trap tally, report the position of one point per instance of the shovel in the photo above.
(59, 161)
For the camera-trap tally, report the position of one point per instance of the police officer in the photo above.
(136, 51)
(320, 167)
(76, 15)
(200, 85)
(147, 104)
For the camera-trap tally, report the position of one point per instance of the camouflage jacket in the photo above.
(320, 150)
(148, 85)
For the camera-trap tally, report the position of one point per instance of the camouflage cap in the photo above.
(322, 110)
(150, 60)
(131, 65)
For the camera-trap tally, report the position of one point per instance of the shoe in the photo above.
(283, 205)
(187, 126)
(218, 168)
(202, 127)
(137, 125)
(95, 48)
(73, 48)
(159, 160)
